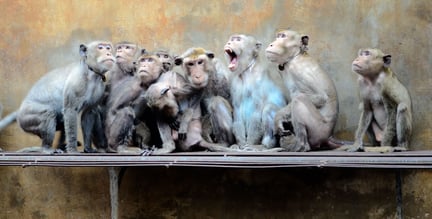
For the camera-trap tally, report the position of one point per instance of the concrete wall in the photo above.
(36, 36)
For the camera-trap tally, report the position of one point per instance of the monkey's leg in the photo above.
(390, 129)
(70, 121)
(403, 125)
(221, 120)
(87, 124)
(268, 117)
(120, 129)
(216, 147)
(98, 137)
(307, 123)
(239, 132)
(254, 130)
(168, 144)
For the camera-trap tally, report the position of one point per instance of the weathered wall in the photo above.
(36, 36)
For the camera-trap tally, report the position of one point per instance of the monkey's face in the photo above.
(100, 57)
(240, 51)
(125, 53)
(285, 47)
(149, 69)
(160, 98)
(369, 63)
(166, 60)
(196, 71)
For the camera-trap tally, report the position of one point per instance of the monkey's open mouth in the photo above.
(232, 58)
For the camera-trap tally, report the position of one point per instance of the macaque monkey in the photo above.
(163, 97)
(307, 122)
(202, 77)
(385, 103)
(256, 94)
(166, 58)
(119, 123)
(54, 102)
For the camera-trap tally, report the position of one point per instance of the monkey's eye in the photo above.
(158, 55)
(150, 60)
(190, 64)
(281, 35)
(108, 47)
(200, 62)
(166, 56)
(365, 53)
(100, 47)
(127, 47)
(119, 47)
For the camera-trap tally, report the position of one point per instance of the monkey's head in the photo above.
(148, 68)
(161, 99)
(197, 65)
(240, 51)
(98, 56)
(371, 62)
(126, 53)
(286, 46)
(166, 59)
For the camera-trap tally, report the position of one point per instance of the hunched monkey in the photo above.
(256, 93)
(54, 101)
(206, 85)
(385, 103)
(163, 98)
(119, 123)
(309, 119)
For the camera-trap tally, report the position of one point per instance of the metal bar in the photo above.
(399, 209)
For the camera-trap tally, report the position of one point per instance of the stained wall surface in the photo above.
(36, 36)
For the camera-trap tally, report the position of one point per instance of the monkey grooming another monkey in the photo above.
(53, 103)
(202, 77)
(122, 98)
(307, 122)
(385, 103)
(255, 91)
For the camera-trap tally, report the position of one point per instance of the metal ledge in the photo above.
(398, 160)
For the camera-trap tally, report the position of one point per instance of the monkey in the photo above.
(163, 98)
(122, 98)
(202, 77)
(256, 93)
(145, 122)
(307, 122)
(385, 103)
(55, 100)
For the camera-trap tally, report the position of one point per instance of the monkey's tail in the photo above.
(8, 120)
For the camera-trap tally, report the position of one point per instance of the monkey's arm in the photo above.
(184, 123)
(364, 122)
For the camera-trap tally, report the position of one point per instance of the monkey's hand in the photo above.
(174, 124)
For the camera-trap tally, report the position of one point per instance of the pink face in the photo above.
(104, 55)
(285, 47)
(125, 52)
(196, 71)
(149, 68)
(368, 63)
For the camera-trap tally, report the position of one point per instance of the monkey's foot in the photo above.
(71, 150)
(355, 148)
(122, 149)
(384, 149)
(90, 150)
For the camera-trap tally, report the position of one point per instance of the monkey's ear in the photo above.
(83, 50)
(164, 91)
(143, 51)
(178, 60)
(255, 52)
(305, 40)
(210, 55)
(387, 60)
